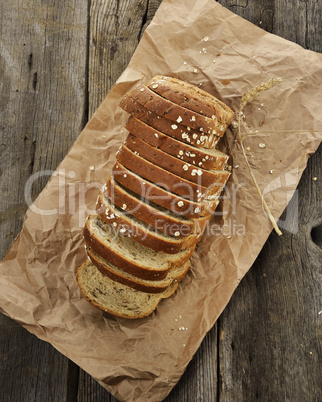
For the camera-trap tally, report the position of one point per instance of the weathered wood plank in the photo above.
(199, 381)
(115, 29)
(30, 370)
(42, 110)
(269, 347)
(270, 333)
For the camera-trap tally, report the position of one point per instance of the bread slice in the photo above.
(152, 214)
(203, 158)
(166, 126)
(169, 181)
(150, 191)
(191, 97)
(176, 113)
(115, 298)
(198, 175)
(129, 255)
(143, 285)
(139, 231)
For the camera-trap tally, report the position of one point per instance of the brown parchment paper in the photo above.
(142, 360)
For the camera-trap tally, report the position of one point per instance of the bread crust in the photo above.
(160, 196)
(141, 233)
(129, 265)
(190, 154)
(166, 126)
(145, 211)
(142, 285)
(190, 97)
(169, 181)
(163, 107)
(198, 175)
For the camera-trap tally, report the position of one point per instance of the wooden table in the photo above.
(58, 61)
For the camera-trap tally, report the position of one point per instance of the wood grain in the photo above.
(270, 333)
(42, 110)
(57, 62)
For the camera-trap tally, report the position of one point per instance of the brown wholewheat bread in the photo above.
(143, 233)
(165, 179)
(115, 298)
(204, 158)
(166, 126)
(176, 113)
(143, 285)
(152, 192)
(185, 170)
(129, 255)
(149, 212)
(191, 97)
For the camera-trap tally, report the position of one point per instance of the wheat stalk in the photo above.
(249, 97)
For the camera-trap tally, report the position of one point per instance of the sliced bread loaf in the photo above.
(152, 214)
(139, 231)
(198, 175)
(143, 285)
(176, 113)
(191, 97)
(166, 126)
(160, 196)
(206, 159)
(169, 181)
(129, 255)
(115, 298)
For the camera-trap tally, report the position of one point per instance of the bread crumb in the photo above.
(177, 233)
(185, 167)
(174, 126)
(179, 119)
(271, 171)
(91, 168)
(262, 145)
(180, 204)
(142, 89)
(205, 39)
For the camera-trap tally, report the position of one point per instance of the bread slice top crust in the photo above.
(149, 190)
(168, 127)
(167, 180)
(145, 234)
(191, 97)
(115, 298)
(176, 113)
(143, 285)
(129, 255)
(198, 175)
(118, 275)
(201, 157)
(149, 212)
